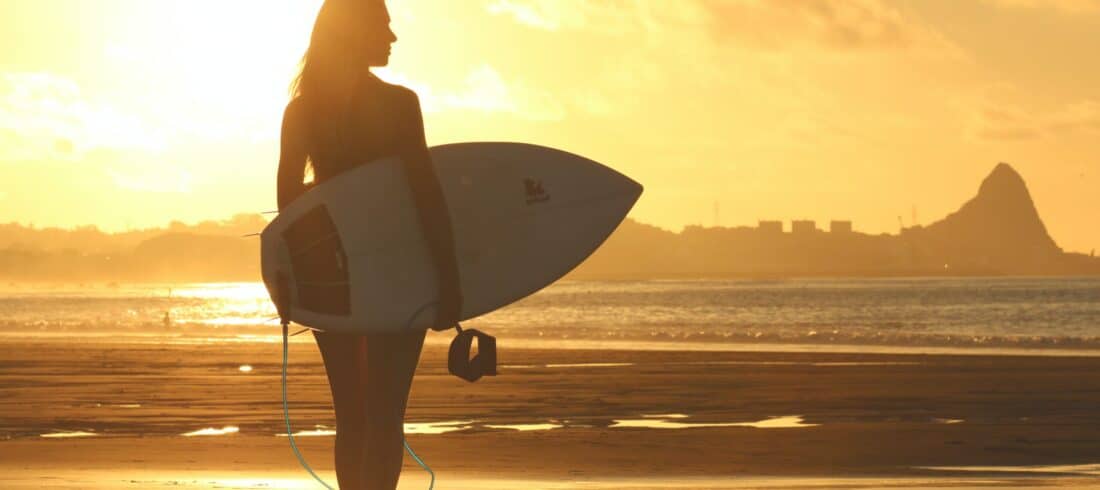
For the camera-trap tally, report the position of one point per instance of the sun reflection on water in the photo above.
(239, 291)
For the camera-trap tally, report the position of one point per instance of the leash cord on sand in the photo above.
(421, 463)
(286, 413)
(290, 433)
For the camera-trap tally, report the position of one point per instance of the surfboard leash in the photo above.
(286, 409)
(290, 433)
(282, 304)
(284, 292)
(418, 461)
(459, 364)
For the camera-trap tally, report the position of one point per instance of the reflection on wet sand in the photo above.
(1073, 469)
(410, 428)
(525, 427)
(63, 435)
(648, 421)
(875, 419)
(210, 431)
(568, 365)
(311, 433)
(716, 363)
(237, 480)
(437, 427)
(788, 422)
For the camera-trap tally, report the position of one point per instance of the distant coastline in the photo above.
(997, 233)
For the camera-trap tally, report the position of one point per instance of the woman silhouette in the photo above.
(341, 115)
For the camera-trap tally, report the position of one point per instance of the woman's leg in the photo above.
(391, 363)
(345, 364)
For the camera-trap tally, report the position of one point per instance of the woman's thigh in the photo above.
(370, 375)
(391, 364)
(344, 356)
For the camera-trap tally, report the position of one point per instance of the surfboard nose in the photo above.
(636, 188)
(625, 186)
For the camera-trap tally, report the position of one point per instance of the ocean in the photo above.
(959, 313)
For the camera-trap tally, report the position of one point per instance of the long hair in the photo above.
(329, 71)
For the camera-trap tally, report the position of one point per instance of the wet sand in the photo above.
(611, 418)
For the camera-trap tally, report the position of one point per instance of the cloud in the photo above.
(44, 116)
(1081, 116)
(159, 180)
(533, 14)
(142, 171)
(719, 47)
(485, 90)
(1009, 122)
(841, 25)
(592, 15)
(1066, 6)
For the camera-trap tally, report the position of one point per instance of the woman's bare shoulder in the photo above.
(294, 114)
(294, 108)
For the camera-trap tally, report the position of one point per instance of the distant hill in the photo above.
(89, 239)
(206, 251)
(997, 232)
(205, 257)
(999, 229)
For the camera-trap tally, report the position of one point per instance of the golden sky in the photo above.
(132, 113)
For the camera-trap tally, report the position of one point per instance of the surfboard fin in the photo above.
(484, 363)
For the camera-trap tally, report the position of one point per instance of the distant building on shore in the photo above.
(801, 226)
(770, 227)
(840, 227)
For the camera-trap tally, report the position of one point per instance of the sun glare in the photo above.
(223, 62)
(235, 291)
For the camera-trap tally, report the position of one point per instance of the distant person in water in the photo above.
(341, 115)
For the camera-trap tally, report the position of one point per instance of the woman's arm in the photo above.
(292, 156)
(434, 218)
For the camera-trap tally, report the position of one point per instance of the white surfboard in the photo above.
(356, 259)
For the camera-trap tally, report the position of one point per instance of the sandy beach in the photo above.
(104, 415)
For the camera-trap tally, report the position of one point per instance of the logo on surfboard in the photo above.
(535, 192)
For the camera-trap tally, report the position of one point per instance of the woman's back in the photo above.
(379, 120)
